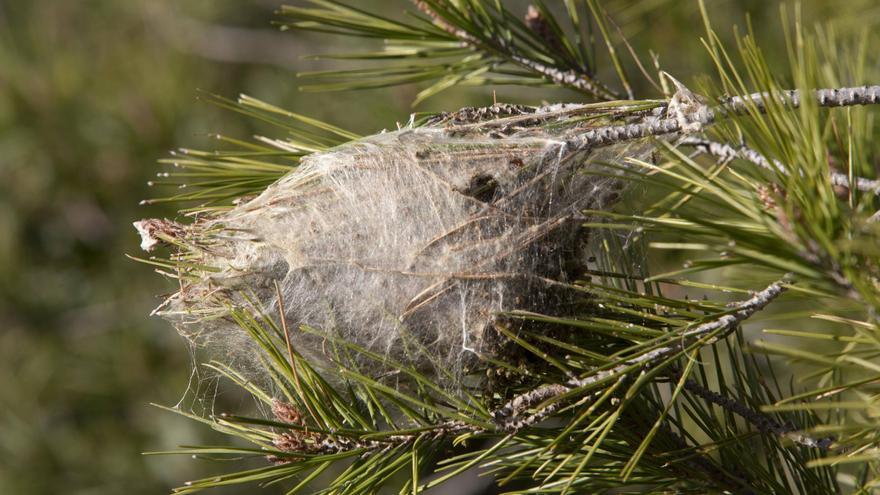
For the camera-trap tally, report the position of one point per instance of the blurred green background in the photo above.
(92, 93)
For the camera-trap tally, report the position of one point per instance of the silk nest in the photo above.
(412, 244)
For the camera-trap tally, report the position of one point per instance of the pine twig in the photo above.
(693, 117)
(725, 151)
(830, 97)
(761, 421)
(568, 78)
(508, 416)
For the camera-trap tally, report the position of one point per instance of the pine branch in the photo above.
(468, 42)
(830, 97)
(761, 421)
(571, 78)
(508, 416)
(726, 152)
(694, 116)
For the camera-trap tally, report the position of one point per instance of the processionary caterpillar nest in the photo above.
(409, 243)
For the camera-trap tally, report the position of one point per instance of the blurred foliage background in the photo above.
(92, 93)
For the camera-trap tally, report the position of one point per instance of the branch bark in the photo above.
(568, 78)
(727, 152)
(509, 418)
(702, 115)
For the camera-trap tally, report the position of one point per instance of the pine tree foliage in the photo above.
(769, 194)
(463, 43)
